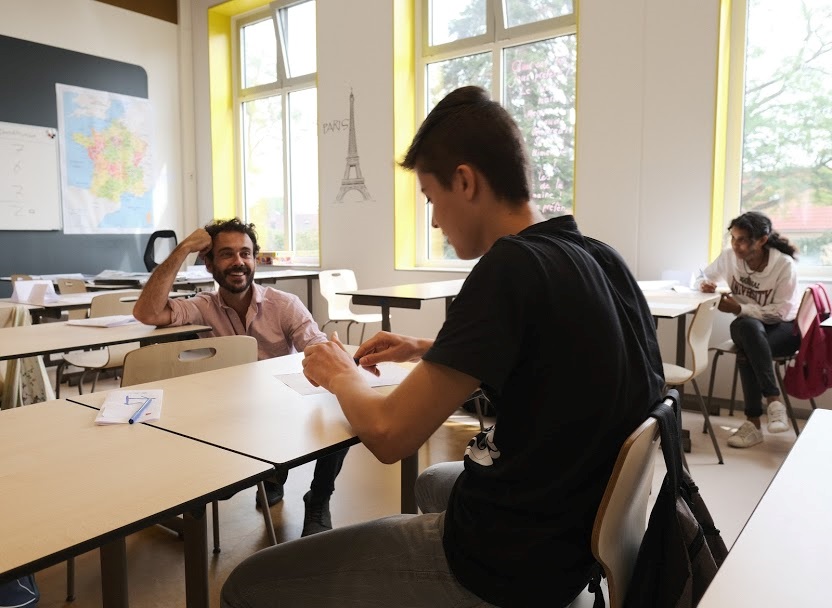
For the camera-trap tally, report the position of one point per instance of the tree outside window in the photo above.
(276, 101)
(787, 122)
(524, 53)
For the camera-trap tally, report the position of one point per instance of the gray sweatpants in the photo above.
(395, 561)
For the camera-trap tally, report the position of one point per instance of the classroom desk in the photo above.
(48, 338)
(779, 558)
(405, 296)
(247, 410)
(70, 486)
(76, 301)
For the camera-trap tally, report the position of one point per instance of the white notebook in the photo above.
(121, 406)
(108, 321)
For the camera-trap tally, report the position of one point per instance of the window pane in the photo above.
(519, 12)
(262, 140)
(303, 158)
(787, 139)
(259, 54)
(451, 20)
(299, 35)
(539, 93)
(442, 78)
(445, 76)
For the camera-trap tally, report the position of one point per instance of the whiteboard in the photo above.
(30, 192)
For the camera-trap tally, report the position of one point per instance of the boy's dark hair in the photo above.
(466, 127)
(232, 225)
(757, 226)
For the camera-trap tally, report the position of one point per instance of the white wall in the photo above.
(644, 149)
(645, 116)
(106, 31)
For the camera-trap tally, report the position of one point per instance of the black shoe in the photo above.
(316, 517)
(274, 493)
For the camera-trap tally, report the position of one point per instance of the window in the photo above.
(780, 145)
(524, 53)
(276, 105)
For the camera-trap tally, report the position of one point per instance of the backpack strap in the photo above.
(665, 414)
(822, 305)
(596, 574)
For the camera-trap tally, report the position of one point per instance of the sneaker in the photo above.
(777, 421)
(274, 493)
(316, 517)
(746, 436)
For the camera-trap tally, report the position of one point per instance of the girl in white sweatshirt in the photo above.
(760, 271)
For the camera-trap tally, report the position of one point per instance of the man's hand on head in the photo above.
(199, 241)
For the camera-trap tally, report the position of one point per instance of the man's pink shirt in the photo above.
(278, 320)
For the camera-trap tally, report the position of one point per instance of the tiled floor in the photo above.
(367, 489)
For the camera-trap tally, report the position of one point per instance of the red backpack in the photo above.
(809, 374)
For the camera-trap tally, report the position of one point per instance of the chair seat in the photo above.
(675, 375)
(87, 358)
(726, 347)
(358, 318)
(105, 358)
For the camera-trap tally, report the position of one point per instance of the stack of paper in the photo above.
(123, 405)
(108, 321)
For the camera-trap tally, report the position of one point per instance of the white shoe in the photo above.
(746, 436)
(777, 421)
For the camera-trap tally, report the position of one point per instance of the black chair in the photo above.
(150, 250)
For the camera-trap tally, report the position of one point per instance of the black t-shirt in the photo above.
(558, 332)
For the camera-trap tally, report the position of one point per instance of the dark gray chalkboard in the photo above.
(28, 73)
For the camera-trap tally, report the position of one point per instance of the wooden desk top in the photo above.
(46, 338)
(668, 304)
(84, 299)
(415, 291)
(248, 410)
(69, 485)
(779, 558)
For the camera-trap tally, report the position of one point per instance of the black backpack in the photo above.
(681, 550)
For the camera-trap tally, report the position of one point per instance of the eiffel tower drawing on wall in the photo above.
(352, 180)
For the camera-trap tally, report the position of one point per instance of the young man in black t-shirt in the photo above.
(553, 327)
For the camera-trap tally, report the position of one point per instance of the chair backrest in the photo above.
(21, 277)
(72, 286)
(699, 334)
(333, 281)
(173, 359)
(150, 249)
(622, 516)
(117, 303)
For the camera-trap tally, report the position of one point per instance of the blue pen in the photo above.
(140, 411)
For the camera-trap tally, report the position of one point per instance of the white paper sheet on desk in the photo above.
(108, 321)
(391, 374)
(120, 405)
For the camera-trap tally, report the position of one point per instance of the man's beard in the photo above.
(219, 277)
